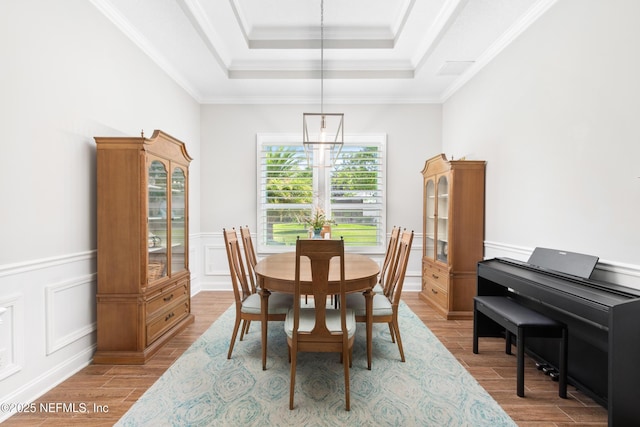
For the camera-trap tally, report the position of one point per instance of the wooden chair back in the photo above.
(388, 265)
(319, 253)
(402, 260)
(249, 255)
(241, 289)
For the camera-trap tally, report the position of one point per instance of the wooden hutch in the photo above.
(143, 296)
(453, 234)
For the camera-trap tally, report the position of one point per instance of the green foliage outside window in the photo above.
(353, 197)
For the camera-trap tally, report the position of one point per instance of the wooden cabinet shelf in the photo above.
(453, 234)
(143, 296)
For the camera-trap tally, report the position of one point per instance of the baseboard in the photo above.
(41, 384)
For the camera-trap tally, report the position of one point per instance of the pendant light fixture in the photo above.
(322, 133)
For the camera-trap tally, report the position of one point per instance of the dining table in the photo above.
(276, 273)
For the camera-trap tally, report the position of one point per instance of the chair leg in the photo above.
(396, 327)
(245, 329)
(233, 336)
(393, 337)
(293, 377)
(345, 353)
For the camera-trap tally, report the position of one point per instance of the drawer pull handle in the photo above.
(169, 298)
(169, 316)
(434, 291)
(435, 276)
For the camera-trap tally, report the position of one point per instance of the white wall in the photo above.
(229, 178)
(66, 75)
(556, 117)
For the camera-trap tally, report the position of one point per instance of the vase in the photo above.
(316, 233)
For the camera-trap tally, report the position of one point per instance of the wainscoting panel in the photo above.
(47, 331)
(11, 335)
(65, 326)
(195, 263)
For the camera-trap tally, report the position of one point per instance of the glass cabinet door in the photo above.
(442, 247)
(178, 214)
(157, 220)
(430, 218)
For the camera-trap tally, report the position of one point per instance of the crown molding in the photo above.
(139, 40)
(536, 11)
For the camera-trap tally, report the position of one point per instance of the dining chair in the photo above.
(249, 255)
(387, 268)
(385, 307)
(251, 260)
(318, 328)
(248, 303)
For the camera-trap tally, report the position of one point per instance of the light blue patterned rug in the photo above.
(204, 388)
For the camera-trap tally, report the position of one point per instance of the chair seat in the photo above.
(378, 289)
(308, 321)
(279, 303)
(381, 305)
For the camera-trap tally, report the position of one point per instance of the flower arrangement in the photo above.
(317, 219)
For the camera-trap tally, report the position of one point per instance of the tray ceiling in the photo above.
(375, 51)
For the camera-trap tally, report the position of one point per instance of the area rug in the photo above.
(204, 388)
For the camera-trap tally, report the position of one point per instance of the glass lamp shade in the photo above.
(322, 137)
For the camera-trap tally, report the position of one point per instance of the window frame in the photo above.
(290, 139)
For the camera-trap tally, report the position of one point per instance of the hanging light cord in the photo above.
(322, 56)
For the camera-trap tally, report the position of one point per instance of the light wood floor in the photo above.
(115, 388)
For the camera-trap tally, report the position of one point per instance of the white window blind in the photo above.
(351, 193)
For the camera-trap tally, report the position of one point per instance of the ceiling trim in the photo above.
(399, 26)
(209, 36)
(356, 73)
(342, 69)
(292, 100)
(143, 43)
(447, 16)
(357, 42)
(537, 10)
(309, 37)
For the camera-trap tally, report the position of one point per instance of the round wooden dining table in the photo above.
(277, 273)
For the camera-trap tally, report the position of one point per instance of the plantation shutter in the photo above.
(286, 192)
(357, 194)
(353, 192)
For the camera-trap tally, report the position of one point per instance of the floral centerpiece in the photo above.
(316, 221)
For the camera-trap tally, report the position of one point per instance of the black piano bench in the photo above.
(522, 322)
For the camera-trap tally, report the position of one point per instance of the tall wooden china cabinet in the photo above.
(143, 296)
(453, 234)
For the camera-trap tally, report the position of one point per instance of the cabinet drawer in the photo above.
(436, 274)
(434, 292)
(167, 297)
(172, 315)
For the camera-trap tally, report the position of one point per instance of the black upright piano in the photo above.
(603, 321)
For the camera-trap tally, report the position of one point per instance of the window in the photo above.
(352, 193)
